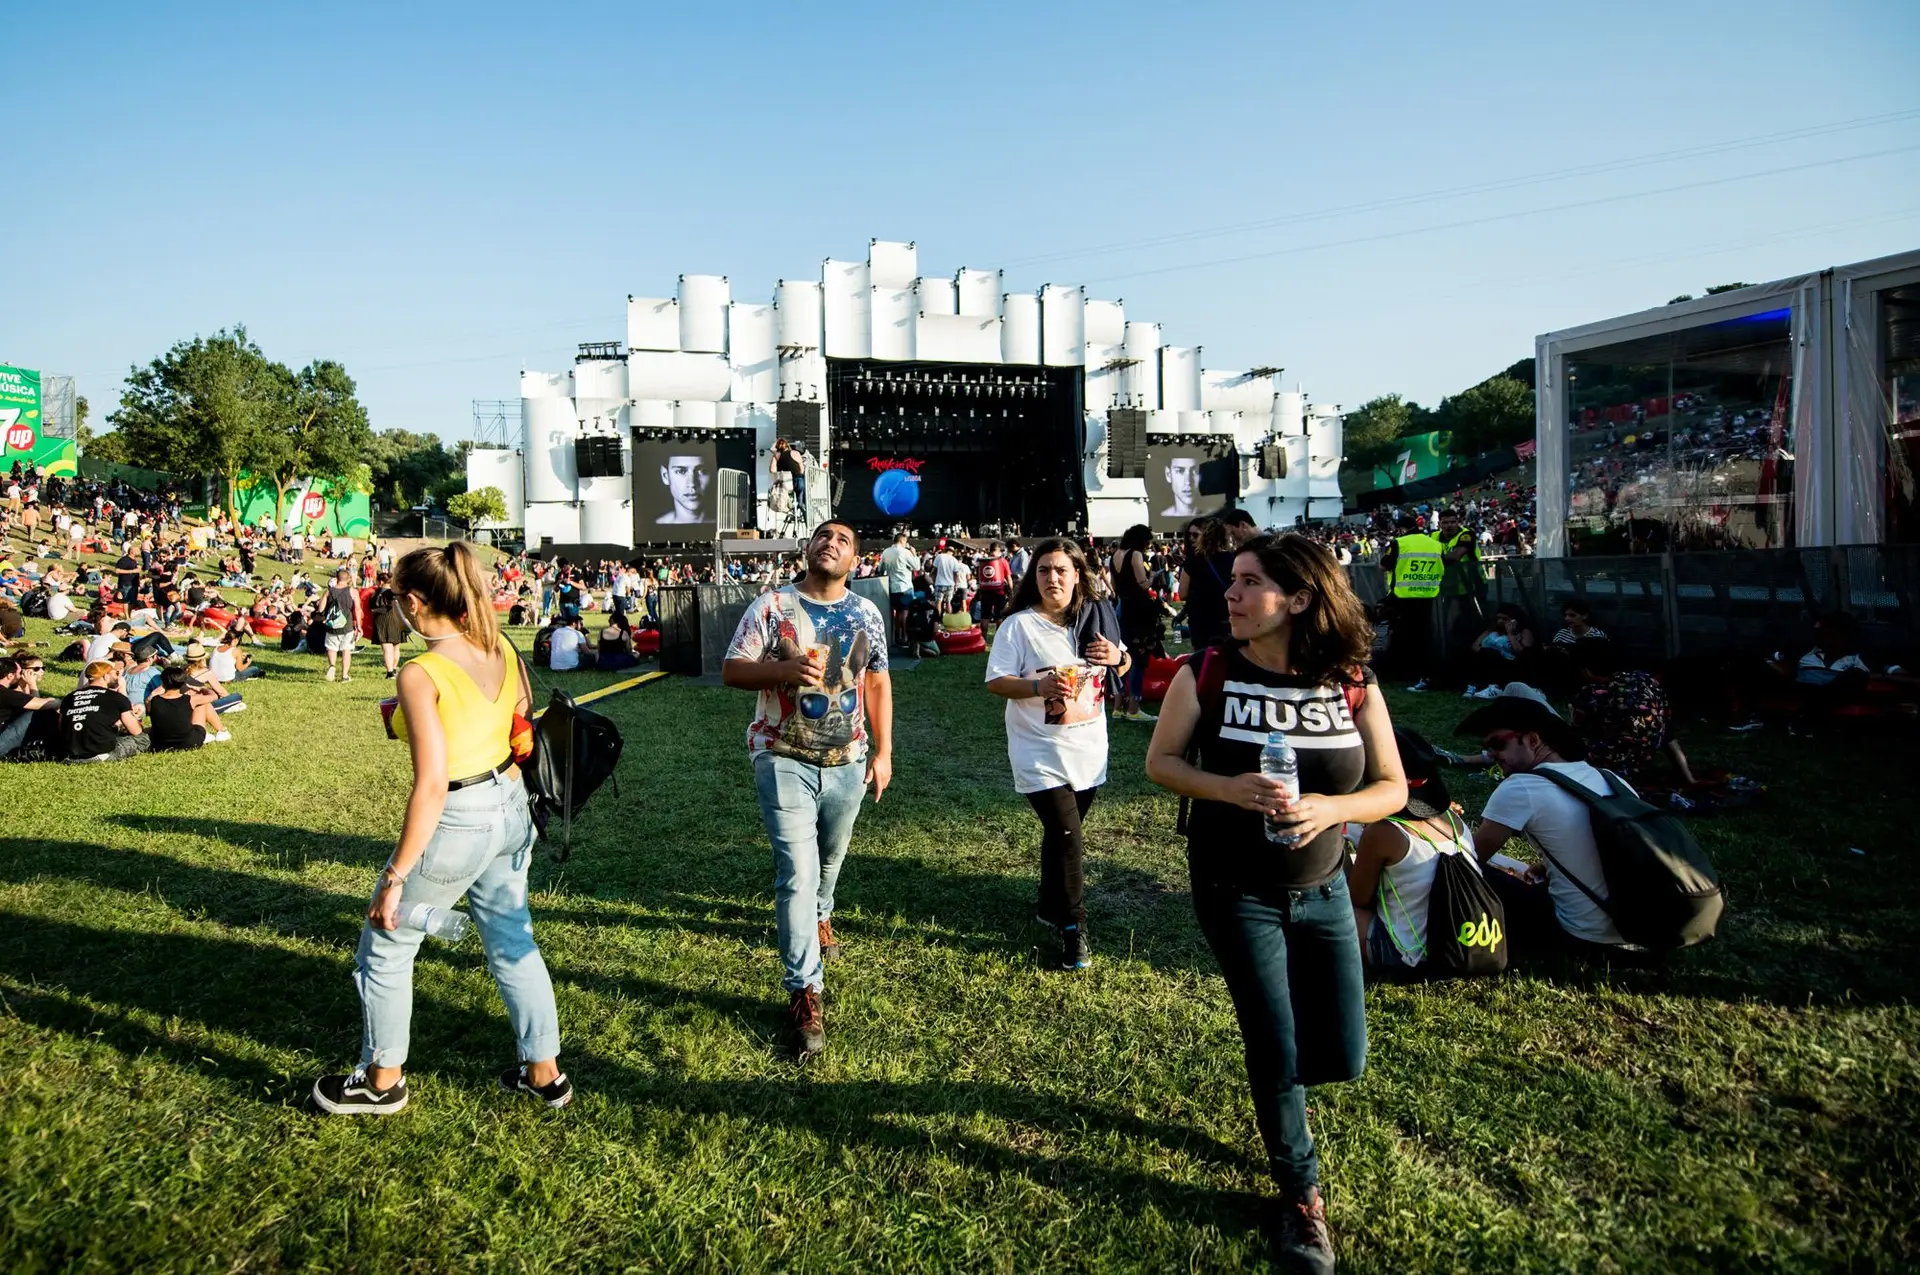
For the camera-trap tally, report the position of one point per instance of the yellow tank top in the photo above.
(477, 729)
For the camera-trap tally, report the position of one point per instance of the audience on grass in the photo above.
(180, 720)
(98, 723)
(569, 640)
(1503, 653)
(23, 709)
(615, 649)
(1396, 860)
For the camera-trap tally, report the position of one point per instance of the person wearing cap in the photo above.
(1391, 878)
(1545, 909)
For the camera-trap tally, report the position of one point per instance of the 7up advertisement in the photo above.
(22, 438)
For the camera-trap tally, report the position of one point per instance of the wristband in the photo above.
(1033, 684)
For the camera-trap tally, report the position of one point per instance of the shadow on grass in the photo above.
(109, 981)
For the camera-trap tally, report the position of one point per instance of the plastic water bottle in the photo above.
(1279, 761)
(445, 924)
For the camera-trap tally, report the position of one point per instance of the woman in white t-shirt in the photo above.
(1391, 877)
(1055, 687)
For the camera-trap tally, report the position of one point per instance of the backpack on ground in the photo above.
(543, 646)
(1662, 891)
(1466, 926)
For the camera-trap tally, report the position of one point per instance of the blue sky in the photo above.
(441, 195)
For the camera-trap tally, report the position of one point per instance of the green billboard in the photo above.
(1420, 456)
(23, 436)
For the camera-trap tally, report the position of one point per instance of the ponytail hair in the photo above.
(448, 580)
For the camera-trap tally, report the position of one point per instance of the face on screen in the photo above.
(1183, 477)
(687, 480)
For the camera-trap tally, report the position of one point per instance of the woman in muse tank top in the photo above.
(1278, 916)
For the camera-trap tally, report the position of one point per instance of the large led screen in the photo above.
(675, 490)
(1189, 477)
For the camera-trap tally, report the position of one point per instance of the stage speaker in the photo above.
(1126, 443)
(597, 456)
(800, 422)
(1273, 460)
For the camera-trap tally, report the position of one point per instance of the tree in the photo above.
(409, 465)
(1716, 288)
(207, 406)
(321, 432)
(1497, 412)
(489, 504)
(357, 480)
(1375, 428)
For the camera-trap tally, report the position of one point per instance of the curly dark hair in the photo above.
(1331, 639)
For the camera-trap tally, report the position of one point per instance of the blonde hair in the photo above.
(97, 670)
(448, 580)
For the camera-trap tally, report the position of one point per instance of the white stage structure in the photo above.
(705, 360)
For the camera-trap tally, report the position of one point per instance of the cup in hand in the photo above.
(387, 709)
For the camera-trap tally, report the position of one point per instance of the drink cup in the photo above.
(1069, 678)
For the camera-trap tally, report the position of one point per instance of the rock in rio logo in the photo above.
(312, 505)
(881, 464)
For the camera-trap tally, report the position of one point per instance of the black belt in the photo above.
(454, 785)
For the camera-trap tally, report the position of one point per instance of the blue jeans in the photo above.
(1292, 966)
(224, 702)
(481, 849)
(809, 812)
(15, 732)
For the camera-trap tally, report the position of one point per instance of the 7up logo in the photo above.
(1485, 932)
(19, 436)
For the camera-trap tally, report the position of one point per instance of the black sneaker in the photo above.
(1075, 952)
(555, 1095)
(355, 1095)
(1301, 1237)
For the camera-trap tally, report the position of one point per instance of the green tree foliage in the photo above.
(207, 406)
(1716, 288)
(110, 446)
(322, 433)
(410, 466)
(1498, 412)
(489, 504)
(1375, 428)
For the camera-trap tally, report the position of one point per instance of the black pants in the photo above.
(1412, 651)
(1063, 880)
(1533, 929)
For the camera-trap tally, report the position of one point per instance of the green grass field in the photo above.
(178, 936)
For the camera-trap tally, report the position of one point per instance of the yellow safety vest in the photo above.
(1417, 567)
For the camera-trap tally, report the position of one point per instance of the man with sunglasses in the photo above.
(21, 701)
(1546, 908)
(817, 654)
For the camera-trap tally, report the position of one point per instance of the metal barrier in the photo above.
(1746, 600)
(697, 621)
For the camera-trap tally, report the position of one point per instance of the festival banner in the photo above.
(22, 436)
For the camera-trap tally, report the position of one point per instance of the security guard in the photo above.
(1414, 566)
(1460, 589)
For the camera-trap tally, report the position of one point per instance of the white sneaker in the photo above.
(1489, 692)
(231, 709)
(220, 738)
(329, 672)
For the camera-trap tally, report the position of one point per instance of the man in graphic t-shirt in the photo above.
(817, 654)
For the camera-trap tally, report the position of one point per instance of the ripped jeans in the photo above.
(481, 850)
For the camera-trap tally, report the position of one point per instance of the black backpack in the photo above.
(575, 750)
(1662, 891)
(543, 646)
(1466, 926)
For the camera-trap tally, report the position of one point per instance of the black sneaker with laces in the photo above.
(555, 1095)
(1301, 1237)
(1075, 951)
(354, 1095)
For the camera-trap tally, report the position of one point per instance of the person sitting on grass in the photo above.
(98, 722)
(616, 644)
(1545, 909)
(468, 832)
(23, 709)
(1501, 653)
(180, 722)
(1391, 877)
(139, 672)
(204, 686)
(568, 641)
(1623, 715)
(293, 632)
(230, 662)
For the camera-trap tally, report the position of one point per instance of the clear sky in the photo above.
(1376, 196)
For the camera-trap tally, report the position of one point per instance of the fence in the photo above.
(697, 621)
(1687, 604)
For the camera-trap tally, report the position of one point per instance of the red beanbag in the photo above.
(1159, 677)
(961, 642)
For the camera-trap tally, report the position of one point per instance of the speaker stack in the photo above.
(800, 424)
(1273, 460)
(1126, 442)
(597, 456)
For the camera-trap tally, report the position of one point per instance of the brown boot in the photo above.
(829, 945)
(1301, 1235)
(806, 1026)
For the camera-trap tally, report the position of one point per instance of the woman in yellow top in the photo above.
(467, 832)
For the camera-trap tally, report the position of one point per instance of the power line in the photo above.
(1505, 216)
(1458, 192)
